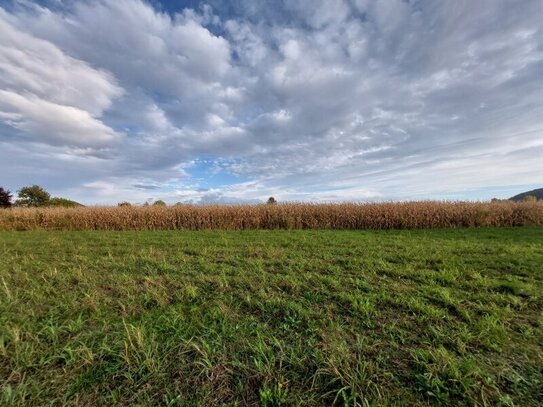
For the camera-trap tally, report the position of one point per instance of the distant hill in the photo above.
(538, 193)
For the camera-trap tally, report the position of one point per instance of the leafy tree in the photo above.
(124, 204)
(160, 202)
(271, 201)
(5, 198)
(33, 196)
(530, 198)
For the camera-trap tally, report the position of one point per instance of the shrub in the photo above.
(124, 203)
(160, 202)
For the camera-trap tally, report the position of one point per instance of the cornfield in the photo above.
(399, 215)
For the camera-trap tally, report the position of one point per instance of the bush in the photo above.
(124, 204)
(160, 202)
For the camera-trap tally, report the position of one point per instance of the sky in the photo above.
(344, 100)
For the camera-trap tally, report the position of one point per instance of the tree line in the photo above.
(33, 196)
(36, 196)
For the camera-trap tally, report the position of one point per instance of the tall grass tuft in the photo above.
(398, 215)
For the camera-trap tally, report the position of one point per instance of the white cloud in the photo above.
(41, 68)
(53, 123)
(363, 100)
(169, 57)
(50, 96)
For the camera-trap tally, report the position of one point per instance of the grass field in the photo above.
(441, 317)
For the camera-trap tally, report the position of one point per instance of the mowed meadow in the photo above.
(394, 215)
(272, 318)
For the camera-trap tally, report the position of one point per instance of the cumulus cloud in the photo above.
(364, 100)
(173, 59)
(49, 96)
(50, 122)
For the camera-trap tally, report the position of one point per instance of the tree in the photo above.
(530, 198)
(160, 202)
(271, 201)
(33, 196)
(124, 204)
(5, 198)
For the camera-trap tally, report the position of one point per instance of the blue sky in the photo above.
(360, 100)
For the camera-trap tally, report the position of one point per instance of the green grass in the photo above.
(271, 318)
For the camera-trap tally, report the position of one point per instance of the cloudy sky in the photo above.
(216, 101)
